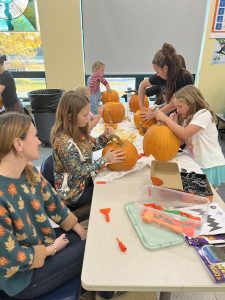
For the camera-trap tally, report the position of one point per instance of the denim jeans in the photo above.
(57, 269)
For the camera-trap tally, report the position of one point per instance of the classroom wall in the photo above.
(61, 35)
(211, 78)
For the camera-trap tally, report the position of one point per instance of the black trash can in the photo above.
(44, 104)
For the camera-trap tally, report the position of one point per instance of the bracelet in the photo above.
(54, 248)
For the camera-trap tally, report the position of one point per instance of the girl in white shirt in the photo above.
(199, 131)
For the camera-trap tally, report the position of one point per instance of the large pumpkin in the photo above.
(111, 96)
(114, 111)
(134, 103)
(161, 142)
(130, 153)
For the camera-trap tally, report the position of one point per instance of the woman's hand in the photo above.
(147, 115)
(79, 229)
(60, 243)
(160, 116)
(115, 156)
(100, 111)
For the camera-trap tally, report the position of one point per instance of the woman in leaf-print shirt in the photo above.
(73, 148)
(27, 201)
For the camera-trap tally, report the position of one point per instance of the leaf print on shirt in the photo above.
(33, 190)
(40, 218)
(46, 230)
(31, 259)
(25, 188)
(21, 256)
(37, 177)
(1, 193)
(34, 232)
(21, 237)
(51, 207)
(56, 218)
(48, 240)
(10, 244)
(8, 221)
(2, 231)
(35, 204)
(46, 196)
(3, 211)
(10, 272)
(21, 204)
(28, 219)
(12, 189)
(3, 261)
(19, 223)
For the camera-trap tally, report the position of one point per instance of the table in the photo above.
(106, 268)
(221, 119)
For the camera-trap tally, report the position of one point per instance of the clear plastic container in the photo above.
(172, 210)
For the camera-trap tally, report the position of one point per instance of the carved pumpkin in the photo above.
(161, 142)
(113, 112)
(112, 96)
(134, 103)
(131, 154)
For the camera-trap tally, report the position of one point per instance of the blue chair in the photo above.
(47, 170)
(70, 290)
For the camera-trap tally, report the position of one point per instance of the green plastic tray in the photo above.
(152, 236)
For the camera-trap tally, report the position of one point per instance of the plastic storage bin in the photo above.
(172, 210)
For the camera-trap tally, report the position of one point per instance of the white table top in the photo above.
(105, 267)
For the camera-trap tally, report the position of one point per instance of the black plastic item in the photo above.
(45, 100)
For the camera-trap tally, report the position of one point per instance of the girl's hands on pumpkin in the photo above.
(147, 115)
(160, 116)
(115, 156)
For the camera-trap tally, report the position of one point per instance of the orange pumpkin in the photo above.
(139, 122)
(161, 142)
(111, 96)
(114, 111)
(134, 103)
(131, 154)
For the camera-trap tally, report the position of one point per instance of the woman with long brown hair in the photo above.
(170, 75)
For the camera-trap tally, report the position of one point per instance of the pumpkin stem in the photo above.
(119, 141)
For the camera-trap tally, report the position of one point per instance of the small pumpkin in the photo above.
(161, 142)
(141, 123)
(134, 102)
(113, 112)
(111, 96)
(130, 153)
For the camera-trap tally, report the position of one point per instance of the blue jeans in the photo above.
(57, 269)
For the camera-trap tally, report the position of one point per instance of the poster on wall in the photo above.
(218, 26)
(17, 16)
(219, 52)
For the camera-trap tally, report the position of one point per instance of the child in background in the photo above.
(73, 148)
(198, 130)
(94, 81)
(94, 119)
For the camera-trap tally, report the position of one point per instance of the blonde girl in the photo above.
(198, 130)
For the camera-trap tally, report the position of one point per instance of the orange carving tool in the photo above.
(105, 211)
(123, 248)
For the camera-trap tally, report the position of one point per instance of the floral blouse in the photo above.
(73, 165)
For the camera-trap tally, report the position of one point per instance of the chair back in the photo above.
(47, 169)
